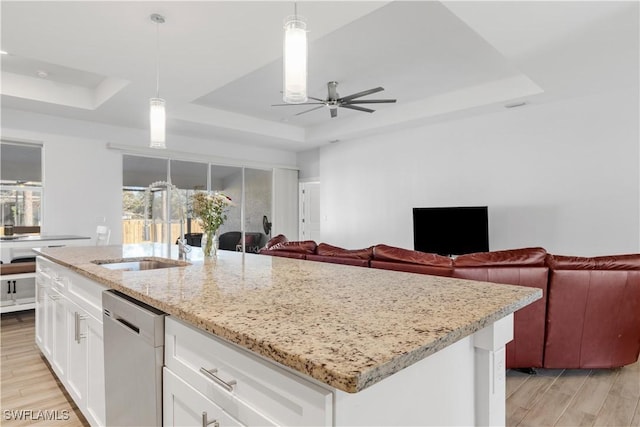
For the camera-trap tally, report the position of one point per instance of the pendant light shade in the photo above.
(157, 122)
(295, 60)
(157, 114)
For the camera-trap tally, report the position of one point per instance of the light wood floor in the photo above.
(26, 381)
(574, 397)
(553, 397)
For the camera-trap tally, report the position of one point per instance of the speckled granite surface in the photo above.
(348, 327)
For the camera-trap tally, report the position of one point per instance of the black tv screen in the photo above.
(451, 231)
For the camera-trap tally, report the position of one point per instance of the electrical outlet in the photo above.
(499, 370)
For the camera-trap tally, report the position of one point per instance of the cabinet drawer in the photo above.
(183, 405)
(237, 375)
(86, 293)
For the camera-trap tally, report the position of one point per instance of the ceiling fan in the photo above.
(334, 101)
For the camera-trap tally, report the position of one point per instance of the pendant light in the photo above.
(295, 59)
(157, 115)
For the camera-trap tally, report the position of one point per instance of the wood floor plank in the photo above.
(616, 411)
(635, 422)
(594, 391)
(627, 383)
(547, 410)
(515, 414)
(532, 390)
(515, 380)
(27, 382)
(573, 417)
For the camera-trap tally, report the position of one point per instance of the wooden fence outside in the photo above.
(133, 229)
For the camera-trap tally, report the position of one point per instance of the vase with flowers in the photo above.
(211, 211)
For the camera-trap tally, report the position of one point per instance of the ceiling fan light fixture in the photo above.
(295, 60)
(157, 113)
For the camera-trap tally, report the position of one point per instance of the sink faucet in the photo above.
(183, 249)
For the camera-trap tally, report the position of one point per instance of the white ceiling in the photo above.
(221, 62)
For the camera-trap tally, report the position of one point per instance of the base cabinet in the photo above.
(183, 405)
(248, 389)
(70, 335)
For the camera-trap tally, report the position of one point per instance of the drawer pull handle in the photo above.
(211, 374)
(206, 422)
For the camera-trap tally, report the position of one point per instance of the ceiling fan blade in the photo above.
(307, 111)
(359, 94)
(355, 107)
(293, 105)
(315, 99)
(334, 112)
(370, 101)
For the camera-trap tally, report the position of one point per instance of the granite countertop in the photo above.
(348, 327)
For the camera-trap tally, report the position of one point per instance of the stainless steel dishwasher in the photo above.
(133, 359)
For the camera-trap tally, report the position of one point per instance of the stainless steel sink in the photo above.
(140, 264)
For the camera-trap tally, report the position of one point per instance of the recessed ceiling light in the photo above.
(4, 52)
(42, 74)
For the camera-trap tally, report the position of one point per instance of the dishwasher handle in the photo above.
(121, 321)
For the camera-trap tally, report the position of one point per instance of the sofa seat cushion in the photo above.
(326, 250)
(511, 257)
(613, 262)
(394, 254)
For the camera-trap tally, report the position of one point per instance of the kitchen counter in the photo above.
(348, 327)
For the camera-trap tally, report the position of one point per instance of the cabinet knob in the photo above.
(206, 422)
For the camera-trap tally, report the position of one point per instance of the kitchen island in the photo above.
(389, 347)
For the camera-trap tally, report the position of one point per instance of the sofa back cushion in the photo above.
(275, 240)
(326, 250)
(511, 257)
(612, 262)
(394, 254)
(303, 247)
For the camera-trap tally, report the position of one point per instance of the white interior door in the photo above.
(309, 227)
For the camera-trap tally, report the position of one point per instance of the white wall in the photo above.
(564, 176)
(83, 179)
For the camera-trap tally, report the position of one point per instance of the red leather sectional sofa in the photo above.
(588, 317)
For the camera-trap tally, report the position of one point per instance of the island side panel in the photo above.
(450, 387)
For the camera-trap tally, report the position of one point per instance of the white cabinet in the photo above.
(183, 405)
(59, 352)
(244, 386)
(69, 334)
(76, 380)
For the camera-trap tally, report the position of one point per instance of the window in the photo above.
(21, 186)
(143, 211)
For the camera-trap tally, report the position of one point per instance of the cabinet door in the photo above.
(77, 375)
(59, 316)
(40, 312)
(185, 406)
(47, 345)
(95, 412)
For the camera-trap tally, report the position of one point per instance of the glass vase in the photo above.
(209, 243)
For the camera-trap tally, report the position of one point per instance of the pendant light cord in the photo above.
(157, 60)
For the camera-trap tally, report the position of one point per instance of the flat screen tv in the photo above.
(452, 230)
